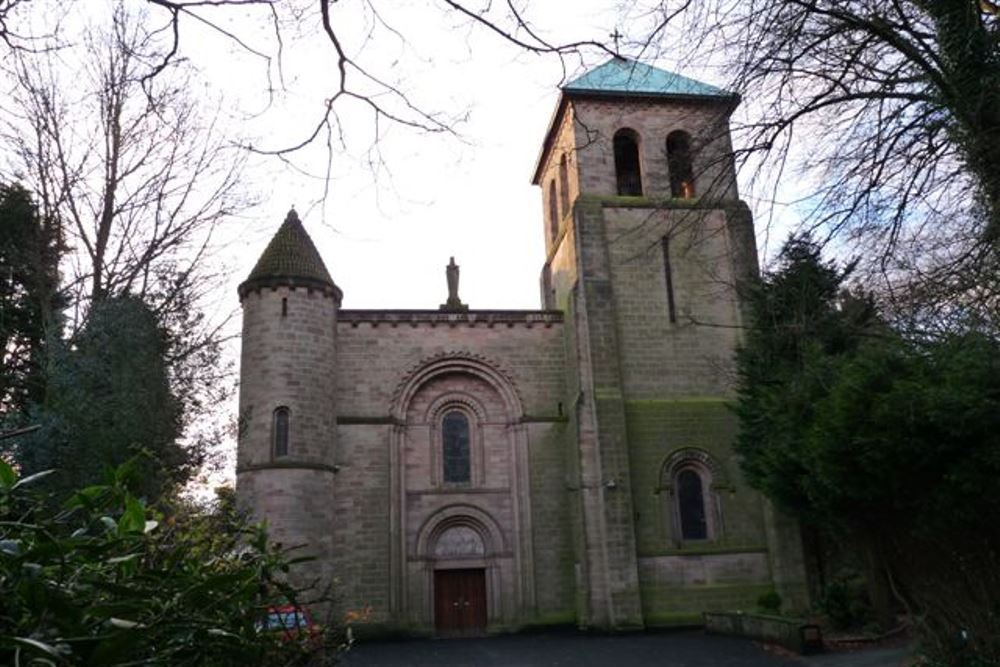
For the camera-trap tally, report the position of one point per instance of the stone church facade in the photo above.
(463, 470)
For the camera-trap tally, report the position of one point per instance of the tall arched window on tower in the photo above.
(691, 505)
(455, 447)
(627, 171)
(563, 184)
(279, 432)
(679, 164)
(553, 210)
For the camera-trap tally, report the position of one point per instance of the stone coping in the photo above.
(433, 318)
(792, 633)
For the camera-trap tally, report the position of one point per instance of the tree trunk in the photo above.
(878, 586)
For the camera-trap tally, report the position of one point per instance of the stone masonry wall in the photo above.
(597, 121)
(288, 359)
(376, 354)
(693, 355)
(564, 143)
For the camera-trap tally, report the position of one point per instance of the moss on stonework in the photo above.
(656, 429)
(732, 207)
(661, 603)
(673, 619)
(708, 550)
(291, 254)
(551, 620)
(680, 400)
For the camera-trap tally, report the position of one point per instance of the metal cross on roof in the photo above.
(616, 36)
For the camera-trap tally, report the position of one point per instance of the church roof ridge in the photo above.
(291, 259)
(619, 75)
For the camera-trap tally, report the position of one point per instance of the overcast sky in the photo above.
(393, 211)
(386, 232)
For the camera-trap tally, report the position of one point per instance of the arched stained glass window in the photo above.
(679, 165)
(691, 505)
(455, 447)
(627, 171)
(280, 431)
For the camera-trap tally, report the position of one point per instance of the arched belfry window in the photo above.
(279, 431)
(553, 210)
(679, 165)
(563, 184)
(691, 505)
(455, 447)
(627, 170)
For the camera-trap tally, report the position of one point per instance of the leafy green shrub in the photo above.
(845, 602)
(769, 602)
(104, 581)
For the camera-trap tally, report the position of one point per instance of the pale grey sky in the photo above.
(386, 232)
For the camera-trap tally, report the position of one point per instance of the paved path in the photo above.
(882, 657)
(668, 649)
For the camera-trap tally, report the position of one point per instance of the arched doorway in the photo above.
(462, 555)
(460, 597)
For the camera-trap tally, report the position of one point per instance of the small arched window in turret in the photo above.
(563, 184)
(679, 165)
(455, 447)
(627, 171)
(279, 431)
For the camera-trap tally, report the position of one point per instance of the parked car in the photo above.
(295, 624)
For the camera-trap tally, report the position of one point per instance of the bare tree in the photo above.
(140, 178)
(888, 113)
(885, 112)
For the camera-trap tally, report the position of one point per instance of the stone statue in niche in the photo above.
(453, 304)
(459, 542)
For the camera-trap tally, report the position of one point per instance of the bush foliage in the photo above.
(892, 441)
(105, 581)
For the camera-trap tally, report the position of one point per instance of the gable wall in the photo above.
(374, 358)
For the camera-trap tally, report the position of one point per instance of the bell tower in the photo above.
(285, 471)
(645, 239)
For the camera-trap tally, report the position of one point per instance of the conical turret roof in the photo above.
(290, 259)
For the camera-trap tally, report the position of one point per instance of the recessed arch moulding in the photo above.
(484, 523)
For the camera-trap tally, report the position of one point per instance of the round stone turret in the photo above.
(286, 451)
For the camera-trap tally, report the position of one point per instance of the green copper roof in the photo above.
(620, 75)
(291, 255)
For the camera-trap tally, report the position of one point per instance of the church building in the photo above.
(465, 470)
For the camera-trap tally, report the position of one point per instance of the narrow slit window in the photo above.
(553, 211)
(284, 307)
(668, 274)
(563, 184)
(627, 170)
(281, 419)
(691, 505)
(680, 166)
(455, 447)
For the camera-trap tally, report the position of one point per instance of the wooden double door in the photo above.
(460, 602)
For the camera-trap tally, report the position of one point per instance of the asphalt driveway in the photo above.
(668, 649)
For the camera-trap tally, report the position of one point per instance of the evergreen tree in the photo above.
(29, 299)
(803, 319)
(110, 399)
(889, 443)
